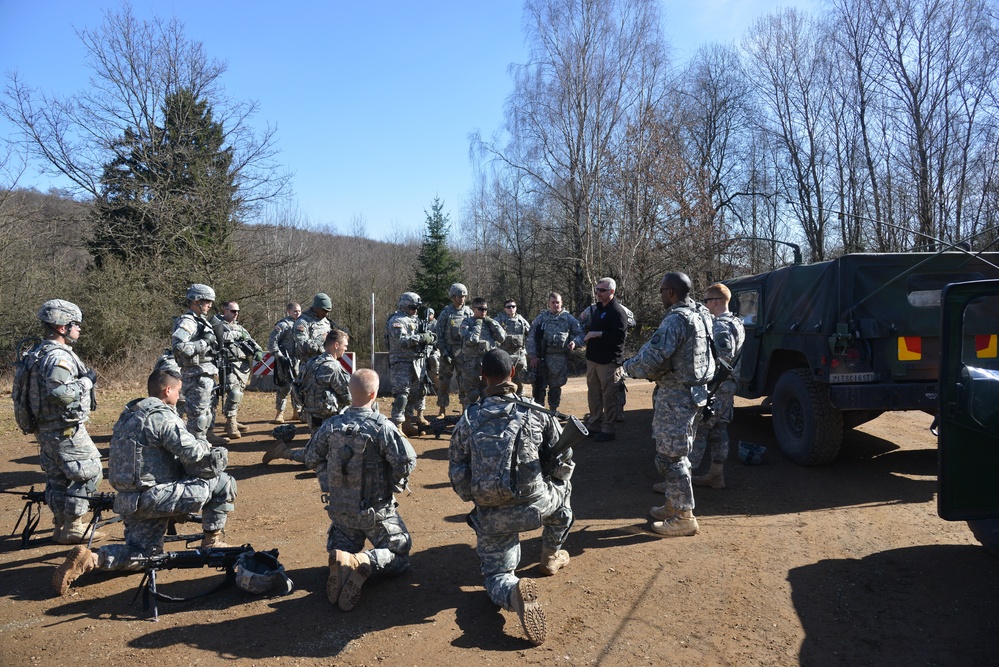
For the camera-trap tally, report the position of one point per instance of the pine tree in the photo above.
(438, 267)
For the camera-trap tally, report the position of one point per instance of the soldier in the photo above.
(240, 350)
(516, 328)
(60, 394)
(311, 328)
(434, 355)
(449, 343)
(496, 458)
(728, 335)
(678, 359)
(553, 335)
(161, 473)
(479, 334)
(361, 460)
(281, 344)
(194, 348)
(407, 362)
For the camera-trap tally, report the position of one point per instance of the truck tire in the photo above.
(809, 429)
(986, 531)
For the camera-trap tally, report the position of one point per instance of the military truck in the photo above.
(835, 344)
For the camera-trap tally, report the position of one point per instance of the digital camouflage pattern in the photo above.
(478, 336)
(361, 459)
(194, 349)
(448, 330)
(479, 456)
(282, 339)
(678, 360)
(406, 363)
(729, 335)
(557, 331)
(322, 387)
(233, 338)
(309, 334)
(515, 344)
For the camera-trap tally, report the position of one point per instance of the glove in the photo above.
(258, 355)
(210, 339)
(427, 339)
(92, 376)
(487, 319)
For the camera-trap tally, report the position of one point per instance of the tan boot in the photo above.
(360, 570)
(524, 601)
(79, 560)
(76, 530)
(682, 525)
(215, 440)
(213, 539)
(231, 430)
(714, 477)
(278, 451)
(242, 428)
(552, 561)
(442, 413)
(421, 420)
(57, 520)
(665, 512)
(410, 428)
(340, 570)
(278, 418)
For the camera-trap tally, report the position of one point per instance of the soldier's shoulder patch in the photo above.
(188, 325)
(656, 338)
(300, 327)
(62, 362)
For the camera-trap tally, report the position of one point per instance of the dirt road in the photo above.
(845, 564)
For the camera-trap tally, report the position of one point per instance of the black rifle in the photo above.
(440, 425)
(33, 501)
(219, 558)
(426, 351)
(99, 504)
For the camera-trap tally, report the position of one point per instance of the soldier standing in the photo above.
(281, 344)
(407, 363)
(311, 328)
(161, 472)
(553, 335)
(449, 343)
(516, 328)
(240, 350)
(60, 394)
(195, 348)
(677, 358)
(479, 334)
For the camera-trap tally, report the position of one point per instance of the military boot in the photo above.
(524, 600)
(663, 513)
(421, 420)
(79, 560)
(279, 451)
(410, 428)
(57, 520)
(360, 570)
(552, 561)
(714, 477)
(75, 530)
(683, 524)
(231, 430)
(242, 428)
(278, 418)
(213, 539)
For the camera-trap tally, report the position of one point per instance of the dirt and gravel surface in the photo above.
(845, 564)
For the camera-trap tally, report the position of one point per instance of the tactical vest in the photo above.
(133, 466)
(504, 464)
(357, 475)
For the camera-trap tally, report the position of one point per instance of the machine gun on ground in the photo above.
(33, 501)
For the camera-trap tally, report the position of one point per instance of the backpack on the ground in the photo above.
(25, 414)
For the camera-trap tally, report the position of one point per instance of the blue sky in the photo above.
(373, 102)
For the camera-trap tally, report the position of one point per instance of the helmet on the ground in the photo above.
(322, 301)
(199, 292)
(409, 300)
(751, 454)
(457, 289)
(284, 433)
(57, 312)
(260, 572)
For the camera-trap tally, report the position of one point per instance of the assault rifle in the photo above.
(426, 351)
(440, 425)
(219, 558)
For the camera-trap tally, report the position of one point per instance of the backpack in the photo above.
(30, 351)
(497, 434)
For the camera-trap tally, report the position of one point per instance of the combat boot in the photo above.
(57, 520)
(278, 418)
(215, 440)
(714, 477)
(552, 561)
(213, 539)
(524, 600)
(360, 570)
(279, 451)
(421, 420)
(231, 431)
(410, 428)
(682, 525)
(75, 530)
(664, 512)
(242, 428)
(79, 560)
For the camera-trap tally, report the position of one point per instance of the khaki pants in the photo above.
(603, 394)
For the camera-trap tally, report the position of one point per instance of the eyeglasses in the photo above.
(510, 305)
(234, 312)
(480, 308)
(601, 289)
(75, 324)
(712, 298)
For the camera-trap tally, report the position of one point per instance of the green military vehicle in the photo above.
(834, 344)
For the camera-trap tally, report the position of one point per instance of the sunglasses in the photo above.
(510, 305)
(712, 298)
(602, 289)
(480, 308)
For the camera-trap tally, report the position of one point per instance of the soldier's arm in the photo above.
(398, 452)
(499, 333)
(198, 458)
(575, 331)
(184, 347)
(654, 359)
(63, 387)
(551, 433)
(532, 337)
(406, 339)
(459, 467)
(274, 337)
(316, 453)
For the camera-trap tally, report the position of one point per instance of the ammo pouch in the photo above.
(503, 520)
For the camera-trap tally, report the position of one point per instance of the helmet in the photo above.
(285, 433)
(57, 312)
(199, 292)
(430, 312)
(322, 301)
(457, 290)
(409, 299)
(750, 454)
(260, 572)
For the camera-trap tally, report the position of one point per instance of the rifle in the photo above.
(423, 327)
(440, 425)
(33, 501)
(573, 433)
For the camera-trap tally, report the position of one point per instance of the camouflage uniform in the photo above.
(161, 472)
(516, 329)
(478, 336)
(553, 370)
(480, 455)
(233, 338)
(310, 335)
(360, 459)
(406, 364)
(193, 345)
(729, 335)
(448, 332)
(62, 391)
(677, 358)
(322, 389)
(281, 341)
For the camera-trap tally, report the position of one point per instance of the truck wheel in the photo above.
(809, 429)
(986, 531)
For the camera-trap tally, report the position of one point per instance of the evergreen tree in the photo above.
(438, 267)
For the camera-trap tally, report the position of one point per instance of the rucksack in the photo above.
(497, 434)
(29, 352)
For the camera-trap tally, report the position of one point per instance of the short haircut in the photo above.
(496, 365)
(610, 283)
(336, 335)
(292, 306)
(160, 379)
(364, 380)
(479, 302)
(678, 282)
(227, 304)
(719, 290)
(554, 295)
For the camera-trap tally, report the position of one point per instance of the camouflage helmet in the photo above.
(199, 292)
(58, 312)
(322, 301)
(409, 299)
(457, 290)
(260, 572)
(430, 312)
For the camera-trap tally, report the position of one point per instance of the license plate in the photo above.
(851, 377)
